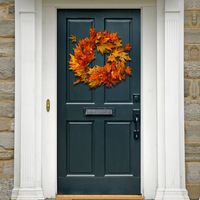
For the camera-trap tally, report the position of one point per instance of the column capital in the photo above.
(173, 5)
(25, 6)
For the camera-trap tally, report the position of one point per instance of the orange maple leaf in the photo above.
(128, 70)
(127, 47)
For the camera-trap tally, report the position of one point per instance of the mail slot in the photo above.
(99, 111)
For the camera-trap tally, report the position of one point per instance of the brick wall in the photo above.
(192, 96)
(6, 97)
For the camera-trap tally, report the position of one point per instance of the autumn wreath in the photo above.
(115, 69)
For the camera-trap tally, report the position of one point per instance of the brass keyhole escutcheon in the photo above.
(48, 105)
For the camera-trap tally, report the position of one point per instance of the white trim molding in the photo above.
(162, 135)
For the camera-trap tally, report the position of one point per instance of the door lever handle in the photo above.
(136, 121)
(136, 134)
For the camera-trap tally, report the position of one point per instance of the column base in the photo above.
(27, 194)
(172, 194)
(15, 192)
(160, 194)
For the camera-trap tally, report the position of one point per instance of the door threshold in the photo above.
(100, 197)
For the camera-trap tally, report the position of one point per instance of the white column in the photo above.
(160, 99)
(172, 185)
(27, 173)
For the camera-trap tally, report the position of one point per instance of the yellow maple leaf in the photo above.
(73, 38)
(124, 57)
(111, 58)
(117, 53)
(103, 48)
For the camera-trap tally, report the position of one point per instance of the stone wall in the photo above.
(6, 97)
(192, 96)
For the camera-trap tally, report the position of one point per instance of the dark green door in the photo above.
(98, 129)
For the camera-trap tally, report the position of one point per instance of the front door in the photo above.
(98, 129)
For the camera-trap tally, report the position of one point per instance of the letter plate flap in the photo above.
(98, 111)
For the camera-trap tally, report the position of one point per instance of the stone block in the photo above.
(192, 70)
(7, 90)
(192, 19)
(192, 110)
(6, 109)
(12, 127)
(6, 154)
(192, 4)
(7, 11)
(11, 9)
(7, 140)
(6, 68)
(6, 124)
(192, 88)
(3, 11)
(6, 168)
(193, 172)
(192, 36)
(192, 131)
(194, 191)
(7, 28)
(187, 86)
(195, 90)
(6, 186)
(192, 52)
(6, 1)
(192, 152)
(7, 47)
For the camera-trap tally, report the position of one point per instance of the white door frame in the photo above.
(163, 159)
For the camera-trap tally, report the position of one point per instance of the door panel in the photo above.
(121, 93)
(98, 153)
(81, 93)
(117, 148)
(80, 151)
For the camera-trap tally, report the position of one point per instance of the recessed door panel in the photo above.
(80, 148)
(121, 93)
(79, 28)
(118, 144)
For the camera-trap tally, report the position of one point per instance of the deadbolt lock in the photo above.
(48, 105)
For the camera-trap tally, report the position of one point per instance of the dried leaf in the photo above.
(128, 70)
(127, 47)
(77, 81)
(112, 72)
(73, 38)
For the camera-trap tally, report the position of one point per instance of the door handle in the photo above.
(136, 121)
(136, 134)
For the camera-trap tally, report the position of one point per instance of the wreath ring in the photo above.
(114, 70)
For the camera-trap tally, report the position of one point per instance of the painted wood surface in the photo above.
(99, 197)
(98, 154)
